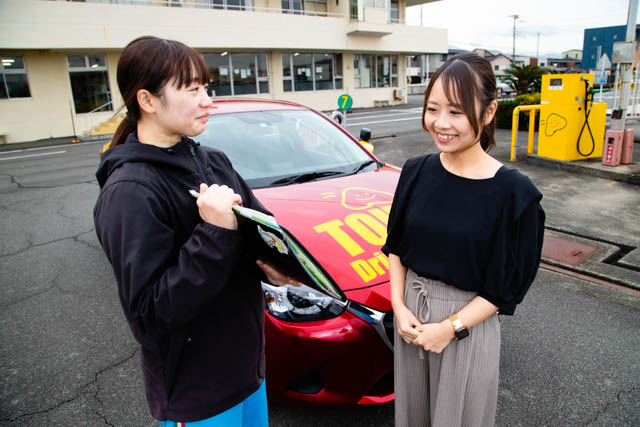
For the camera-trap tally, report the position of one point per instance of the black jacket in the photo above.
(189, 290)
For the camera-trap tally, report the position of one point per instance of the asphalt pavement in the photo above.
(569, 355)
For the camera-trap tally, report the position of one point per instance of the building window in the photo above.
(306, 71)
(237, 73)
(323, 68)
(14, 82)
(382, 71)
(89, 83)
(226, 4)
(337, 71)
(375, 71)
(263, 72)
(496, 67)
(356, 10)
(302, 75)
(292, 6)
(542, 64)
(394, 70)
(375, 3)
(135, 2)
(307, 7)
(394, 13)
(315, 7)
(287, 81)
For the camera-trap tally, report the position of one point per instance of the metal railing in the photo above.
(200, 4)
(514, 127)
(89, 116)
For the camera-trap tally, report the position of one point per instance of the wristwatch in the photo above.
(461, 331)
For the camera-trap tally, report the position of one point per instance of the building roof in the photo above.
(491, 58)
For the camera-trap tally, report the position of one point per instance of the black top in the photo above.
(189, 290)
(481, 235)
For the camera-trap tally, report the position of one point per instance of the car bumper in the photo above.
(337, 361)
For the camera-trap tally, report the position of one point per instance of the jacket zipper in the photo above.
(197, 163)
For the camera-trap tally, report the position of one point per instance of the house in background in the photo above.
(485, 53)
(500, 63)
(564, 65)
(538, 62)
(59, 58)
(572, 54)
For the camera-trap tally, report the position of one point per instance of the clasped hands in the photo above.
(432, 337)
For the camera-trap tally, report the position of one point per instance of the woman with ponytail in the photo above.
(464, 243)
(189, 289)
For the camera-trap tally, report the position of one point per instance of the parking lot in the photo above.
(569, 356)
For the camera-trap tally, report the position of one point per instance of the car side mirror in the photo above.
(365, 134)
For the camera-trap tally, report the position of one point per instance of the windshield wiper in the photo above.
(305, 177)
(363, 165)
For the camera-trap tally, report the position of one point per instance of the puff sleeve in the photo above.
(401, 199)
(516, 250)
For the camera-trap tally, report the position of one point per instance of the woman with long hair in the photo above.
(464, 242)
(189, 290)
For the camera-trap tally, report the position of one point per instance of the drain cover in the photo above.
(566, 251)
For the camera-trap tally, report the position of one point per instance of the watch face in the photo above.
(462, 333)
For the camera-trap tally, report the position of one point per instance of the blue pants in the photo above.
(251, 412)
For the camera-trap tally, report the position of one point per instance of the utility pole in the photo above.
(538, 48)
(513, 57)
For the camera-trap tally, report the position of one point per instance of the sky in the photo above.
(489, 24)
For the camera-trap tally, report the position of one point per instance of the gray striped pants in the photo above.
(458, 387)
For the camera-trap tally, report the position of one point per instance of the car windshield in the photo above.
(270, 148)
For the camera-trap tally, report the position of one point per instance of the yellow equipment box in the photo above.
(563, 133)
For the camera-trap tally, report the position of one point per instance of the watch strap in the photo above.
(457, 323)
(460, 330)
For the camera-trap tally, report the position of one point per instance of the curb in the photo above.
(591, 168)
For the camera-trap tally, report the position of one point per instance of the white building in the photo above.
(500, 63)
(572, 54)
(59, 58)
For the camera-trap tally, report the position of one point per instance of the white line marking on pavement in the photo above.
(383, 115)
(397, 111)
(55, 146)
(381, 121)
(33, 155)
(411, 109)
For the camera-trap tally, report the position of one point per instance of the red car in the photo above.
(327, 190)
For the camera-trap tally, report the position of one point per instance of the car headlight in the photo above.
(300, 303)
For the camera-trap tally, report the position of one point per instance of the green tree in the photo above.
(525, 78)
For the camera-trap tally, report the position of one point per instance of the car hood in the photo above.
(341, 221)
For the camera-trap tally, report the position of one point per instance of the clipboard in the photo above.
(276, 246)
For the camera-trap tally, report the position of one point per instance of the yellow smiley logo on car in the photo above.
(360, 198)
